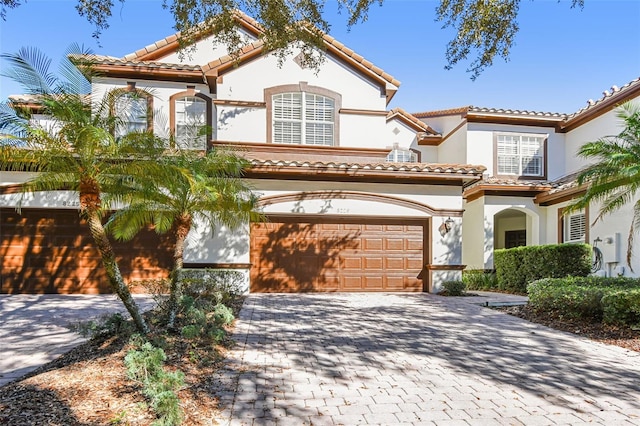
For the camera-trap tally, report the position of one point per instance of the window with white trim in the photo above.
(575, 227)
(303, 118)
(520, 154)
(132, 111)
(191, 121)
(399, 155)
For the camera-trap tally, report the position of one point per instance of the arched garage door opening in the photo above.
(300, 253)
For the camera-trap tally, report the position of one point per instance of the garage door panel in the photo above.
(414, 244)
(395, 263)
(52, 251)
(349, 256)
(371, 244)
(373, 263)
(373, 283)
(395, 244)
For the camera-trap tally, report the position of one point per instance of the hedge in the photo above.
(517, 267)
(613, 300)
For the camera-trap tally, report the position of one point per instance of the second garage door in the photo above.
(336, 254)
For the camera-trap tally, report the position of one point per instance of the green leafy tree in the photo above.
(484, 28)
(73, 149)
(188, 186)
(613, 179)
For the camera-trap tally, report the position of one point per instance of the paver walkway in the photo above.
(417, 359)
(36, 329)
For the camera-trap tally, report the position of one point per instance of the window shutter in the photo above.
(575, 227)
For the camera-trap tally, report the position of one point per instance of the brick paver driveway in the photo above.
(417, 359)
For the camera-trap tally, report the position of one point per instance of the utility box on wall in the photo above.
(610, 248)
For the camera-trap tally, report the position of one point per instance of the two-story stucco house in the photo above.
(358, 197)
(531, 165)
(353, 202)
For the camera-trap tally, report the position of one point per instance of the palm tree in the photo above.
(73, 149)
(194, 186)
(614, 178)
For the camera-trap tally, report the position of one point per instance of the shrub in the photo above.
(622, 307)
(104, 326)
(221, 286)
(453, 288)
(517, 267)
(585, 297)
(480, 279)
(145, 365)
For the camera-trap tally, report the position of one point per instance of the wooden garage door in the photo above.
(336, 255)
(51, 251)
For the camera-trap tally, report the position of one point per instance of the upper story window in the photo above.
(399, 155)
(191, 119)
(303, 118)
(132, 108)
(302, 114)
(520, 155)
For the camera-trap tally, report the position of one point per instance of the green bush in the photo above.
(104, 326)
(517, 267)
(622, 307)
(453, 288)
(480, 279)
(222, 286)
(584, 297)
(145, 364)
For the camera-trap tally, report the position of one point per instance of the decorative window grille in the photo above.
(520, 155)
(191, 119)
(303, 118)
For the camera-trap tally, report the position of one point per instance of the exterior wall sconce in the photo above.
(446, 226)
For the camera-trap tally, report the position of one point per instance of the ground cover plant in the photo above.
(120, 377)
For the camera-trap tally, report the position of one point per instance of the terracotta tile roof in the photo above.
(611, 98)
(110, 60)
(172, 40)
(467, 110)
(354, 57)
(535, 114)
(255, 48)
(442, 112)
(250, 50)
(453, 169)
(411, 120)
(503, 182)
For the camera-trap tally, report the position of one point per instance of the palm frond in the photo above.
(29, 67)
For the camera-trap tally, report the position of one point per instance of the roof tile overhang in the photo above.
(408, 173)
(544, 193)
(349, 164)
(562, 123)
(389, 85)
(506, 187)
(108, 66)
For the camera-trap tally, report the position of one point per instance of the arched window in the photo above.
(303, 114)
(191, 119)
(400, 155)
(132, 109)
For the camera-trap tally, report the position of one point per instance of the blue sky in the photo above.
(562, 56)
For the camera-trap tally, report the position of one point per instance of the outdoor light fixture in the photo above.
(446, 226)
